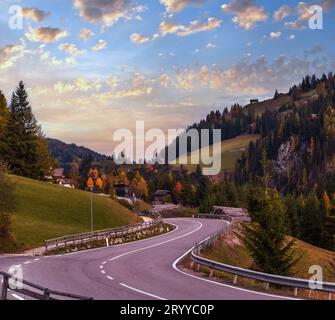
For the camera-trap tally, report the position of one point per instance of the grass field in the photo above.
(231, 151)
(45, 211)
(232, 251)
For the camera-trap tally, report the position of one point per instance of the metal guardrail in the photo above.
(63, 242)
(251, 274)
(214, 216)
(32, 290)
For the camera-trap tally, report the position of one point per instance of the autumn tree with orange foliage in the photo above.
(140, 186)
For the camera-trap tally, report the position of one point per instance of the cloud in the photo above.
(107, 12)
(210, 45)
(167, 27)
(164, 80)
(100, 45)
(193, 27)
(46, 34)
(283, 12)
(34, 14)
(248, 78)
(79, 85)
(275, 35)
(291, 37)
(71, 49)
(138, 39)
(178, 5)
(247, 13)
(10, 53)
(302, 11)
(86, 34)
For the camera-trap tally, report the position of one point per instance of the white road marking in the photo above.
(174, 265)
(104, 263)
(158, 244)
(103, 272)
(143, 292)
(27, 262)
(17, 297)
(101, 267)
(36, 259)
(110, 278)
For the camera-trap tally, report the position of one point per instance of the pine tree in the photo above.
(311, 227)
(3, 115)
(265, 239)
(21, 137)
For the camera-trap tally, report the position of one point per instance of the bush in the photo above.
(7, 206)
(126, 204)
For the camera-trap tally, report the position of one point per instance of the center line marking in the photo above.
(110, 278)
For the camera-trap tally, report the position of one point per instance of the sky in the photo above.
(94, 66)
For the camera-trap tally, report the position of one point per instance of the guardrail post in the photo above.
(295, 291)
(267, 286)
(46, 246)
(211, 273)
(4, 288)
(330, 296)
(198, 267)
(46, 294)
(235, 279)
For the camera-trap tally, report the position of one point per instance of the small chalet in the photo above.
(163, 196)
(58, 175)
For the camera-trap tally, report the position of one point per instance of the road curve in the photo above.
(142, 270)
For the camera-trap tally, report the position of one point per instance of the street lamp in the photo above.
(91, 189)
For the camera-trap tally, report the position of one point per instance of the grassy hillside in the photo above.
(45, 211)
(232, 251)
(270, 104)
(231, 151)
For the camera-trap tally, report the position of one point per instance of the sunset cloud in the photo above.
(194, 27)
(86, 34)
(46, 34)
(100, 45)
(246, 13)
(282, 12)
(10, 53)
(34, 14)
(275, 35)
(71, 49)
(178, 5)
(107, 12)
(139, 39)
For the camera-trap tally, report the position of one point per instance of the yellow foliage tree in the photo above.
(140, 186)
(99, 183)
(90, 183)
(326, 202)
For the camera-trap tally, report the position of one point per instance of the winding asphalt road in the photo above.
(141, 270)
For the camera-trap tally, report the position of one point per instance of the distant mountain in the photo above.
(66, 153)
